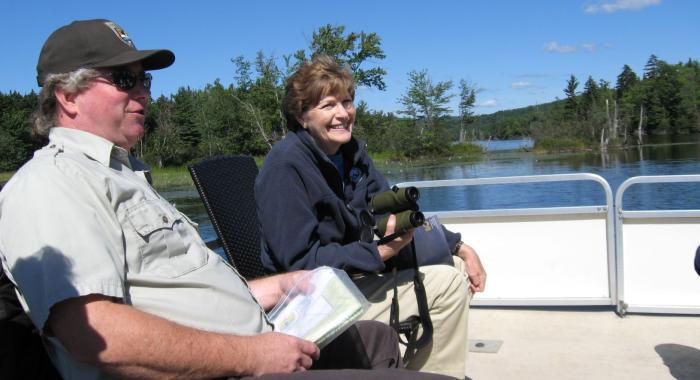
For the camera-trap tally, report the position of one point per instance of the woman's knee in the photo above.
(447, 282)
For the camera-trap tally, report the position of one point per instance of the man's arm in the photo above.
(474, 268)
(130, 343)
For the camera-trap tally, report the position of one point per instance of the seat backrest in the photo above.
(22, 354)
(225, 185)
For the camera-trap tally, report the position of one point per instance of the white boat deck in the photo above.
(556, 344)
(557, 273)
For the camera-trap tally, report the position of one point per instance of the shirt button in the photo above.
(165, 219)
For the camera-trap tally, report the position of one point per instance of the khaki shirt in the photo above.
(80, 218)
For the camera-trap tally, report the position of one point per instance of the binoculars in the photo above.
(403, 202)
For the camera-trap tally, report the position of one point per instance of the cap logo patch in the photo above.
(121, 33)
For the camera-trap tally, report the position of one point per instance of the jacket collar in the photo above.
(352, 150)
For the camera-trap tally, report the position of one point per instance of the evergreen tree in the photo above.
(625, 81)
(589, 98)
(652, 68)
(572, 104)
(660, 96)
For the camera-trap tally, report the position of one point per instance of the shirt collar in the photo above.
(93, 146)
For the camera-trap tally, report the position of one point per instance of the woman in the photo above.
(309, 193)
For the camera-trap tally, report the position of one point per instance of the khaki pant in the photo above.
(447, 291)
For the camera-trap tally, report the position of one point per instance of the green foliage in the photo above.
(467, 98)
(626, 81)
(559, 144)
(425, 103)
(246, 117)
(665, 101)
(466, 150)
(572, 100)
(354, 49)
(174, 176)
(15, 141)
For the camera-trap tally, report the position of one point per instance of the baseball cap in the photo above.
(94, 44)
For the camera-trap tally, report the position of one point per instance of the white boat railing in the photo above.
(637, 261)
(546, 256)
(655, 253)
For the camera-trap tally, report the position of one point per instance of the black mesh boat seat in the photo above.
(22, 354)
(225, 185)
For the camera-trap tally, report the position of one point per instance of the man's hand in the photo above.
(280, 353)
(473, 267)
(392, 248)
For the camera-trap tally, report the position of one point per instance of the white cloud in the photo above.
(608, 46)
(554, 47)
(488, 103)
(589, 47)
(519, 85)
(620, 5)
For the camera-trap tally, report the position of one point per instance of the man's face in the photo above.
(111, 112)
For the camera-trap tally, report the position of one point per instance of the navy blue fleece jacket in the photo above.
(309, 213)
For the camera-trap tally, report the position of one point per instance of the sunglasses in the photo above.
(125, 80)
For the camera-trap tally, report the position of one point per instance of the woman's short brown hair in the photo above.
(315, 79)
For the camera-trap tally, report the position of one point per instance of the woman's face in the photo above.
(330, 122)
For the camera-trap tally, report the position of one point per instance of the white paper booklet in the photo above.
(322, 304)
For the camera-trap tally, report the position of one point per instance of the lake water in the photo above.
(661, 156)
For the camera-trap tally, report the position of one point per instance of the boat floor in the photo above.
(597, 344)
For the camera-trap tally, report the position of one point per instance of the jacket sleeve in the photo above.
(289, 228)
(452, 238)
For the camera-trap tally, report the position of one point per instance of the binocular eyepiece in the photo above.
(395, 200)
(403, 202)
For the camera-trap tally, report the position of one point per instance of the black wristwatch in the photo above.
(455, 250)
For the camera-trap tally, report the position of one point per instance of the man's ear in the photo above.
(301, 122)
(66, 102)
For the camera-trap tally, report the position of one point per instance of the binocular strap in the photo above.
(412, 343)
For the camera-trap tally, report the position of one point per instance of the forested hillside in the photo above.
(664, 100)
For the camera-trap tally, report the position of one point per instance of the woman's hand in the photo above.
(270, 290)
(279, 353)
(390, 249)
(473, 267)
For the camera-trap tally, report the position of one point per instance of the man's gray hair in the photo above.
(44, 118)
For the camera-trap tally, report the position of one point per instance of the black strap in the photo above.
(426, 337)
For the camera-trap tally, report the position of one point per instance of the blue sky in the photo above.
(517, 53)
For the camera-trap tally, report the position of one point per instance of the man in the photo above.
(115, 278)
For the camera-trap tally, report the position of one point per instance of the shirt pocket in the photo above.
(163, 249)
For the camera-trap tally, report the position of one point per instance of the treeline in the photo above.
(245, 117)
(665, 99)
(16, 145)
